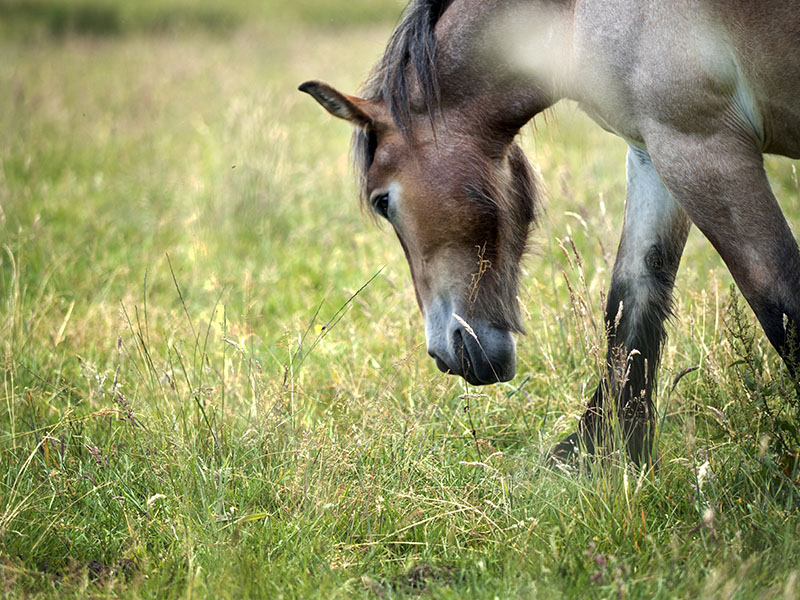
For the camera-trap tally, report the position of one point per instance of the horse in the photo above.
(698, 89)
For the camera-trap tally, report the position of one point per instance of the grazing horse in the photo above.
(699, 90)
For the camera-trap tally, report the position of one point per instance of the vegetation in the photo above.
(214, 377)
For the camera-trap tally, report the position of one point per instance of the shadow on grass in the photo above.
(62, 17)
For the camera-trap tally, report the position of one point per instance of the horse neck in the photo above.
(506, 61)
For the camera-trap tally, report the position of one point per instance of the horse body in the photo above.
(686, 64)
(699, 90)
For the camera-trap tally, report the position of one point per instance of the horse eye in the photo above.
(380, 204)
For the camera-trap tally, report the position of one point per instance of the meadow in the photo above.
(215, 382)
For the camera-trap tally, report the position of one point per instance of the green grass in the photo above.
(217, 17)
(195, 404)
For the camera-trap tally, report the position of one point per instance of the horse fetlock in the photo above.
(619, 417)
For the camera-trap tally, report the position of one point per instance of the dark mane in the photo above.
(409, 56)
(412, 44)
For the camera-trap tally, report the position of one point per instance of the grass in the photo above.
(214, 378)
(101, 18)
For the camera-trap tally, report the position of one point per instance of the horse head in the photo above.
(461, 197)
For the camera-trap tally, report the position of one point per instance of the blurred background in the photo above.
(151, 144)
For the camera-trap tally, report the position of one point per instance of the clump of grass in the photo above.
(755, 399)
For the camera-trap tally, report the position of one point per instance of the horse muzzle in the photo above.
(480, 353)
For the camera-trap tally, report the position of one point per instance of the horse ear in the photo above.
(338, 104)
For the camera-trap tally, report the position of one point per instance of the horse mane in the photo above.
(412, 46)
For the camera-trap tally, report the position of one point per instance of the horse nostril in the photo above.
(458, 340)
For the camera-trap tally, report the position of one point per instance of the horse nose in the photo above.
(442, 333)
(457, 335)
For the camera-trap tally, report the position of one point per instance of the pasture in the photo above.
(215, 382)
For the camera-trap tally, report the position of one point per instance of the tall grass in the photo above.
(214, 378)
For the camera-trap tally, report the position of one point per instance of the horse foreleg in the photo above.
(639, 301)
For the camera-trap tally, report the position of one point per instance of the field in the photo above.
(215, 382)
